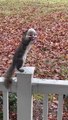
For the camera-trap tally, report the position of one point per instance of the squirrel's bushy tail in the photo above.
(8, 76)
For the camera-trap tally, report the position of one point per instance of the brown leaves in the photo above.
(49, 54)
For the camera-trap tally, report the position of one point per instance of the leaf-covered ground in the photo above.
(49, 54)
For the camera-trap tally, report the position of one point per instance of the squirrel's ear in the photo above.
(24, 32)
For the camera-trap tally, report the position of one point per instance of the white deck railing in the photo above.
(25, 85)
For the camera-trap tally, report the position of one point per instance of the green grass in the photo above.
(8, 7)
(54, 1)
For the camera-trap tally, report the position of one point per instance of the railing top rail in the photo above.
(41, 81)
(49, 82)
(49, 86)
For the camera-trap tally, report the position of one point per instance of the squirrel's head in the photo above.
(31, 34)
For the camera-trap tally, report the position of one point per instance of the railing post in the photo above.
(24, 94)
(60, 107)
(5, 105)
(45, 107)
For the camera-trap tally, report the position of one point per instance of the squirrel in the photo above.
(20, 55)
